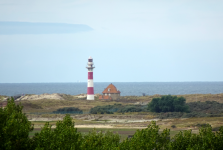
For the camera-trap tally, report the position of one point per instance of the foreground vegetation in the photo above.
(15, 128)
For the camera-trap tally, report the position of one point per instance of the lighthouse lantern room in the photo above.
(90, 84)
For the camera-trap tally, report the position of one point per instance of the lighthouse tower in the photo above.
(90, 84)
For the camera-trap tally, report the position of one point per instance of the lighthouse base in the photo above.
(90, 97)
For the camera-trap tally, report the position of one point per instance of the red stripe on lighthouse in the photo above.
(90, 75)
(90, 90)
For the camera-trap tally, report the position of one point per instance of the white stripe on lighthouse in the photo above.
(90, 83)
(90, 97)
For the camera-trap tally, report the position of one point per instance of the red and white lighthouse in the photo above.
(90, 84)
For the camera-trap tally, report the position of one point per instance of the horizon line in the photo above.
(108, 82)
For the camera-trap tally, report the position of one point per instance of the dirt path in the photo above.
(106, 126)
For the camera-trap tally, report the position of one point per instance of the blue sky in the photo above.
(130, 41)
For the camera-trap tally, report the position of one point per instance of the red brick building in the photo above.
(110, 92)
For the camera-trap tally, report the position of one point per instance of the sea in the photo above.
(126, 88)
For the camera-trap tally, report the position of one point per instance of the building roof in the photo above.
(111, 89)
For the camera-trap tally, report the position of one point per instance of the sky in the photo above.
(129, 40)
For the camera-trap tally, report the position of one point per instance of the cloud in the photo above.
(10, 28)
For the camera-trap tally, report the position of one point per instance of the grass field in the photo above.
(124, 133)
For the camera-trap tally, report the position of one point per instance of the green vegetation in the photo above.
(110, 109)
(210, 107)
(64, 136)
(68, 110)
(107, 109)
(168, 103)
(50, 105)
(15, 128)
(163, 107)
(197, 109)
(167, 107)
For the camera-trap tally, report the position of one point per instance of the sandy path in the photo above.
(107, 126)
(94, 126)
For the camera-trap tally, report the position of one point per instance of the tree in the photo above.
(168, 103)
(64, 136)
(14, 127)
(148, 138)
(100, 141)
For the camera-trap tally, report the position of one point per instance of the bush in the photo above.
(168, 103)
(68, 110)
(131, 108)
(208, 107)
(110, 109)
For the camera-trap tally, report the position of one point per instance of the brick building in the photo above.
(110, 92)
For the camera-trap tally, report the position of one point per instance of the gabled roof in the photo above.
(111, 89)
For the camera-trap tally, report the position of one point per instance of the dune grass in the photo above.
(49, 105)
(2, 97)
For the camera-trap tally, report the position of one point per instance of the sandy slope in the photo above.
(41, 96)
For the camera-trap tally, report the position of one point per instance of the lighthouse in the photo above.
(90, 84)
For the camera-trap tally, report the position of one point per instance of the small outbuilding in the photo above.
(110, 92)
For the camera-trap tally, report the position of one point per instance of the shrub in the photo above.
(110, 109)
(168, 103)
(131, 108)
(209, 107)
(68, 110)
